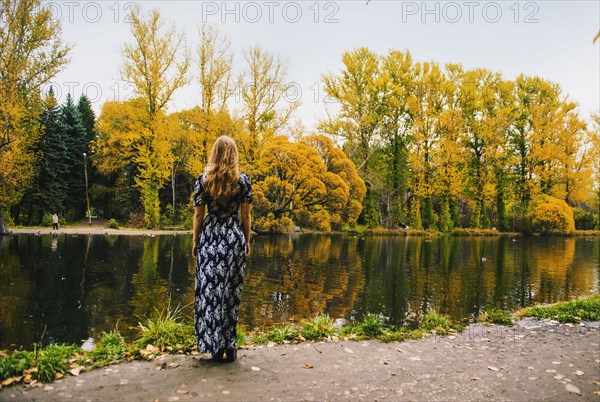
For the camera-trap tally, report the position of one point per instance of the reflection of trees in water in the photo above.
(290, 278)
(110, 279)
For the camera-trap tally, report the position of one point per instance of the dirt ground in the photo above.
(533, 360)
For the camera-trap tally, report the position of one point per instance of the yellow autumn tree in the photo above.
(31, 53)
(156, 63)
(292, 184)
(268, 101)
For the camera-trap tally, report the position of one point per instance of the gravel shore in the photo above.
(532, 360)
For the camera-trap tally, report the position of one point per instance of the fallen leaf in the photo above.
(48, 388)
(225, 392)
(10, 381)
(559, 377)
(578, 372)
(532, 378)
(493, 368)
(308, 366)
(475, 378)
(530, 368)
(596, 382)
(58, 376)
(253, 368)
(573, 389)
(182, 391)
(348, 350)
(75, 371)
(550, 371)
(123, 381)
(555, 362)
(596, 392)
(173, 365)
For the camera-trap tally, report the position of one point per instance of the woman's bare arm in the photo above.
(198, 219)
(246, 224)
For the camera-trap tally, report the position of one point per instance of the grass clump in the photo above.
(318, 328)
(401, 335)
(371, 326)
(110, 349)
(572, 312)
(438, 323)
(14, 364)
(284, 334)
(497, 317)
(52, 360)
(166, 332)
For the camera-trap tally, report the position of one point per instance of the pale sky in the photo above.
(551, 39)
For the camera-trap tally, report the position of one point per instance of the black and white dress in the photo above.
(220, 267)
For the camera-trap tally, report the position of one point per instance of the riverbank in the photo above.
(532, 359)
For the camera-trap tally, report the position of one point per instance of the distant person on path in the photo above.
(54, 222)
(221, 242)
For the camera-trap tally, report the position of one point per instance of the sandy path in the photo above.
(529, 361)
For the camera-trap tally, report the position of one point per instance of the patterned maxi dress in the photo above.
(220, 267)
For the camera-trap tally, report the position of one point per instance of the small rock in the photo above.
(493, 368)
(573, 389)
(550, 371)
(559, 377)
(225, 392)
(348, 350)
(48, 388)
(174, 398)
(123, 381)
(532, 378)
(253, 368)
(555, 362)
(182, 391)
(530, 368)
(475, 378)
(578, 372)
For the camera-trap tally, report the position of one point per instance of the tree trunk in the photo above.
(173, 187)
(3, 227)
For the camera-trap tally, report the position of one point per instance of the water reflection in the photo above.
(68, 288)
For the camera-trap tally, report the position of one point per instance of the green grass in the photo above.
(110, 349)
(371, 326)
(283, 334)
(166, 331)
(497, 317)
(52, 360)
(240, 337)
(572, 311)
(15, 364)
(318, 328)
(440, 323)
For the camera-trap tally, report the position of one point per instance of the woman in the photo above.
(221, 244)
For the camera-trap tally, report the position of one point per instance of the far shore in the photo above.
(96, 229)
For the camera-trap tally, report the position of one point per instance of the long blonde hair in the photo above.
(222, 174)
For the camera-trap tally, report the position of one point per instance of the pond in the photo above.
(66, 288)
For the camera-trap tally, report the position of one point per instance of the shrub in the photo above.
(47, 220)
(240, 337)
(548, 215)
(584, 220)
(112, 224)
(270, 224)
